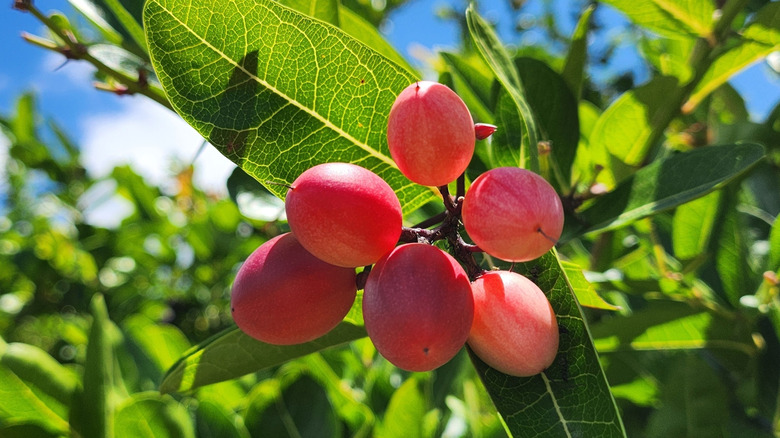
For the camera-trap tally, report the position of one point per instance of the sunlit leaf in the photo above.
(473, 83)
(576, 58)
(232, 354)
(671, 18)
(626, 126)
(524, 140)
(773, 263)
(572, 396)
(760, 38)
(404, 415)
(692, 226)
(278, 92)
(584, 291)
(665, 184)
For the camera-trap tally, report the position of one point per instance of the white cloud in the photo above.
(153, 140)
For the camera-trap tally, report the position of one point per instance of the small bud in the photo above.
(484, 130)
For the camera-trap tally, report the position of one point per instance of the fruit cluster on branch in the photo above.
(421, 304)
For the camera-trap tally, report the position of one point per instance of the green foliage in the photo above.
(664, 283)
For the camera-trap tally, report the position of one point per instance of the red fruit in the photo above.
(430, 133)
(417, 307)
(344, 214)
(513, 214)
(515, 330)
(284, 295)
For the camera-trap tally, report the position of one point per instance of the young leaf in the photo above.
(574, 66)
(149, 415)
(672, 18)
(232, 354)
(488, 44)
(626, 127)
(571, 397)
(773, 263)
(276, 91)
(665, 184)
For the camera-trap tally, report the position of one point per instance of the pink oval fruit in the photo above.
(513, 214)
(417, 307)
(515, 330)
(284, 295)
(344, 214)
(430, 133)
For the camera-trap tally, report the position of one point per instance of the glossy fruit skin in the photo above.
(344, 214)
(505, 208)
(515, 329)
(417, 307)
(283, 295)
(430, 133)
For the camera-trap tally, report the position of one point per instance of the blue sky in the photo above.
(119, 129)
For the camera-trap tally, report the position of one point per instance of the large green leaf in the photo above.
(584, 291)
(571, 397)
(665, 184)
(149, 415)
(29, 392)
(626, 127)
(760, 38)
(524, 140)
(671, 18)
(276, 91)
(555, 109)
(671, 325)
(232, 354)
(405, 412)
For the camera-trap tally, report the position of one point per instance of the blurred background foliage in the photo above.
(91, 317)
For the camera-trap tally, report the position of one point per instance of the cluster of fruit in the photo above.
(419, 304)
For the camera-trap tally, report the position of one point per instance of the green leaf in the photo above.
(760, 38)
(302, 411)
(572, 396)
(584, 291)
(672, 18)
(732, 251)
(93, 409)
(213, 420)
(149, 415)
(663, 185)
(694, 402)
(162, 343)
(692, 226)
(473, 83)
(22, 403)
(278, 92)
(626, 126)
(232, 354)
(42, 373)
(576, 58)
(357, 27)
(773, 264)
(128, 22)
(325, 10)
(526, 139)
(555, 108)
(671, 325)
(405, 413)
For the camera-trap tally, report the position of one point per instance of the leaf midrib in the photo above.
(327, 123)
